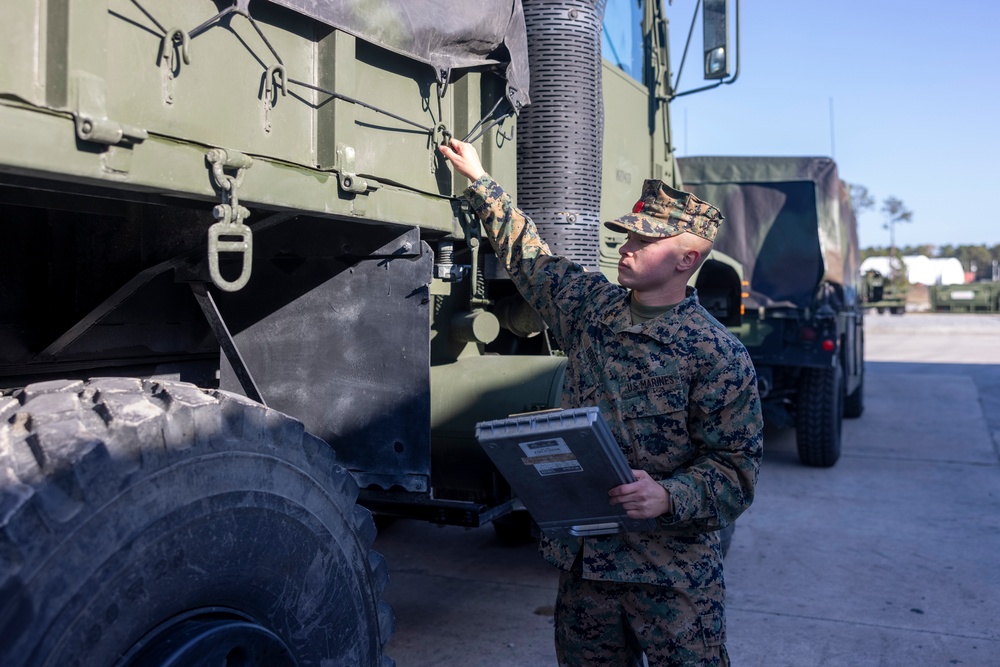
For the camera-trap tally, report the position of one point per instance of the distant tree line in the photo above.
(977, 259)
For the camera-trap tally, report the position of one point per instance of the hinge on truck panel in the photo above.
(92, 123)
(349, 181)
(229, 234)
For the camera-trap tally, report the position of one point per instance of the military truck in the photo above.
(884, 292)
(790, 224)
(243, 305)
(981, 297)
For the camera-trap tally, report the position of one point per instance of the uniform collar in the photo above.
(618, 317)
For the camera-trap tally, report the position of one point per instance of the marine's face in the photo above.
(649, 263)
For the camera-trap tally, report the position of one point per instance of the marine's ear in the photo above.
(689, 259)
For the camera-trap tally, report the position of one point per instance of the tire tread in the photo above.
(67, 447)
(819, 410)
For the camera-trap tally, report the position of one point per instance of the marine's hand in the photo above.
(643, 498)
(464, 158)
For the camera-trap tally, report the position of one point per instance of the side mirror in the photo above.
(715, 19)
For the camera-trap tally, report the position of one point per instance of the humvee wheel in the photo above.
(854, 403)
(818, 416)
(146, 522)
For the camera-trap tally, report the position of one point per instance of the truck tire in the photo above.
(854, 403)
(152, 522)
(818, 416)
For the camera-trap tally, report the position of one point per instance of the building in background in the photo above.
(921, 269)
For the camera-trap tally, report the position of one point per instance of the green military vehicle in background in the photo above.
(243, 305)
(885, 293)
(790, 224)
(981, 297)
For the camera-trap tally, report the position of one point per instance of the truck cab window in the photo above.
(622, 36)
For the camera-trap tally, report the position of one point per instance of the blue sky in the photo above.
(916, 104)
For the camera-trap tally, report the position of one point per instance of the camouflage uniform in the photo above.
(680, 395)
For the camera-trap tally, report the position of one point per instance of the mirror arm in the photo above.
(687, 44)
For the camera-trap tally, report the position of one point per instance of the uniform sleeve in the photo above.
(725, 420)
(554, 286)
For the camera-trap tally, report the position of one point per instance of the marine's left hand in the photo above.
(643, 498)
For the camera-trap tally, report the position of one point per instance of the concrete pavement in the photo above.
(889, 558)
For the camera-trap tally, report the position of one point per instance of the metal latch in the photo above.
(92, 122)
(229, 234)
(349, 180)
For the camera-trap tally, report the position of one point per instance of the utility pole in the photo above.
(833, 146)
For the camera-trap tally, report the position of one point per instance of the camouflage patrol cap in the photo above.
(663, 211)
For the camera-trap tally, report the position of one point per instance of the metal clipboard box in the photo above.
(561, 464)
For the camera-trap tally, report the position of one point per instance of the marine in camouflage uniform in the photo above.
(680, 395)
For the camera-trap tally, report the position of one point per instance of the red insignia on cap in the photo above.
(638, 206)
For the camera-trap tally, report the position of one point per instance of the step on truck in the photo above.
(243, 307)
(790, 225)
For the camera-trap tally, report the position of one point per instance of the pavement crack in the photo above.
(922, 459)
(880, 626)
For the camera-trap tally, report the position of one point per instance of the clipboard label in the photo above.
(550, 457)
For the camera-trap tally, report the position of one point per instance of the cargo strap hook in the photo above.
(176, 44)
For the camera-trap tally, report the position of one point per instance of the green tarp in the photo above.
(446, 34)
(789, 222)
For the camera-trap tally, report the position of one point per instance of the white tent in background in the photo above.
(922, 269)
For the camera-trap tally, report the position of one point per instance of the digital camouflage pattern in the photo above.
(663, 211)
(679, 393)
(610, 623)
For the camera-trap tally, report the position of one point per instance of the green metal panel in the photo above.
(626, 142)
(101, 61)
(44, 144)
(397, 152)
(218, 97)
(476, 388)
(21, 45)
(626, 156)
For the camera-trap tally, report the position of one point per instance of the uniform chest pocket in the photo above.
(655, 401)
(657, 424)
